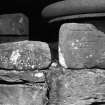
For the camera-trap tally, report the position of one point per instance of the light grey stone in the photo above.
(81, 46)
(24, 55)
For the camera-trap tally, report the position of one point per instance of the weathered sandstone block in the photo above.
(79, 87)
(24, 55)
(81, 46)
(23, 94)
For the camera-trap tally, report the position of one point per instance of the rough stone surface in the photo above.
(14, 24)
(23, 94)
(54, 74)
(81, 46)
(24, 55)
(20, 77)
(79, 87)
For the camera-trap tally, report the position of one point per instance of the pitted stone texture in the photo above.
(81, 46)
(76, 87)
(25, 55)
(23, 94)
(21, 76)
(16, 24)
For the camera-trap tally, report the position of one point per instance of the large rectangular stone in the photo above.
(76, 87)
(16, 23)
(81, 46)
(23, 94)
(24, 55)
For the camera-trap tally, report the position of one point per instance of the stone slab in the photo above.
(23, 94)
(17, 76)
(76, 87)
(24, 55)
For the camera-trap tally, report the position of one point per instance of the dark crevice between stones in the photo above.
(54, 51)
(44, 68)
(98, 103)
(6, 69)
(94, 67)
(13, 83)
(23, 82)
(12, 38)
(95, 102)
(47, 95)
(99, 22)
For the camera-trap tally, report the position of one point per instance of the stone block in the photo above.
(81, 46)
(23, 94)
(79, 87)
(24, 55)
(21, 76)
(16, 24)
